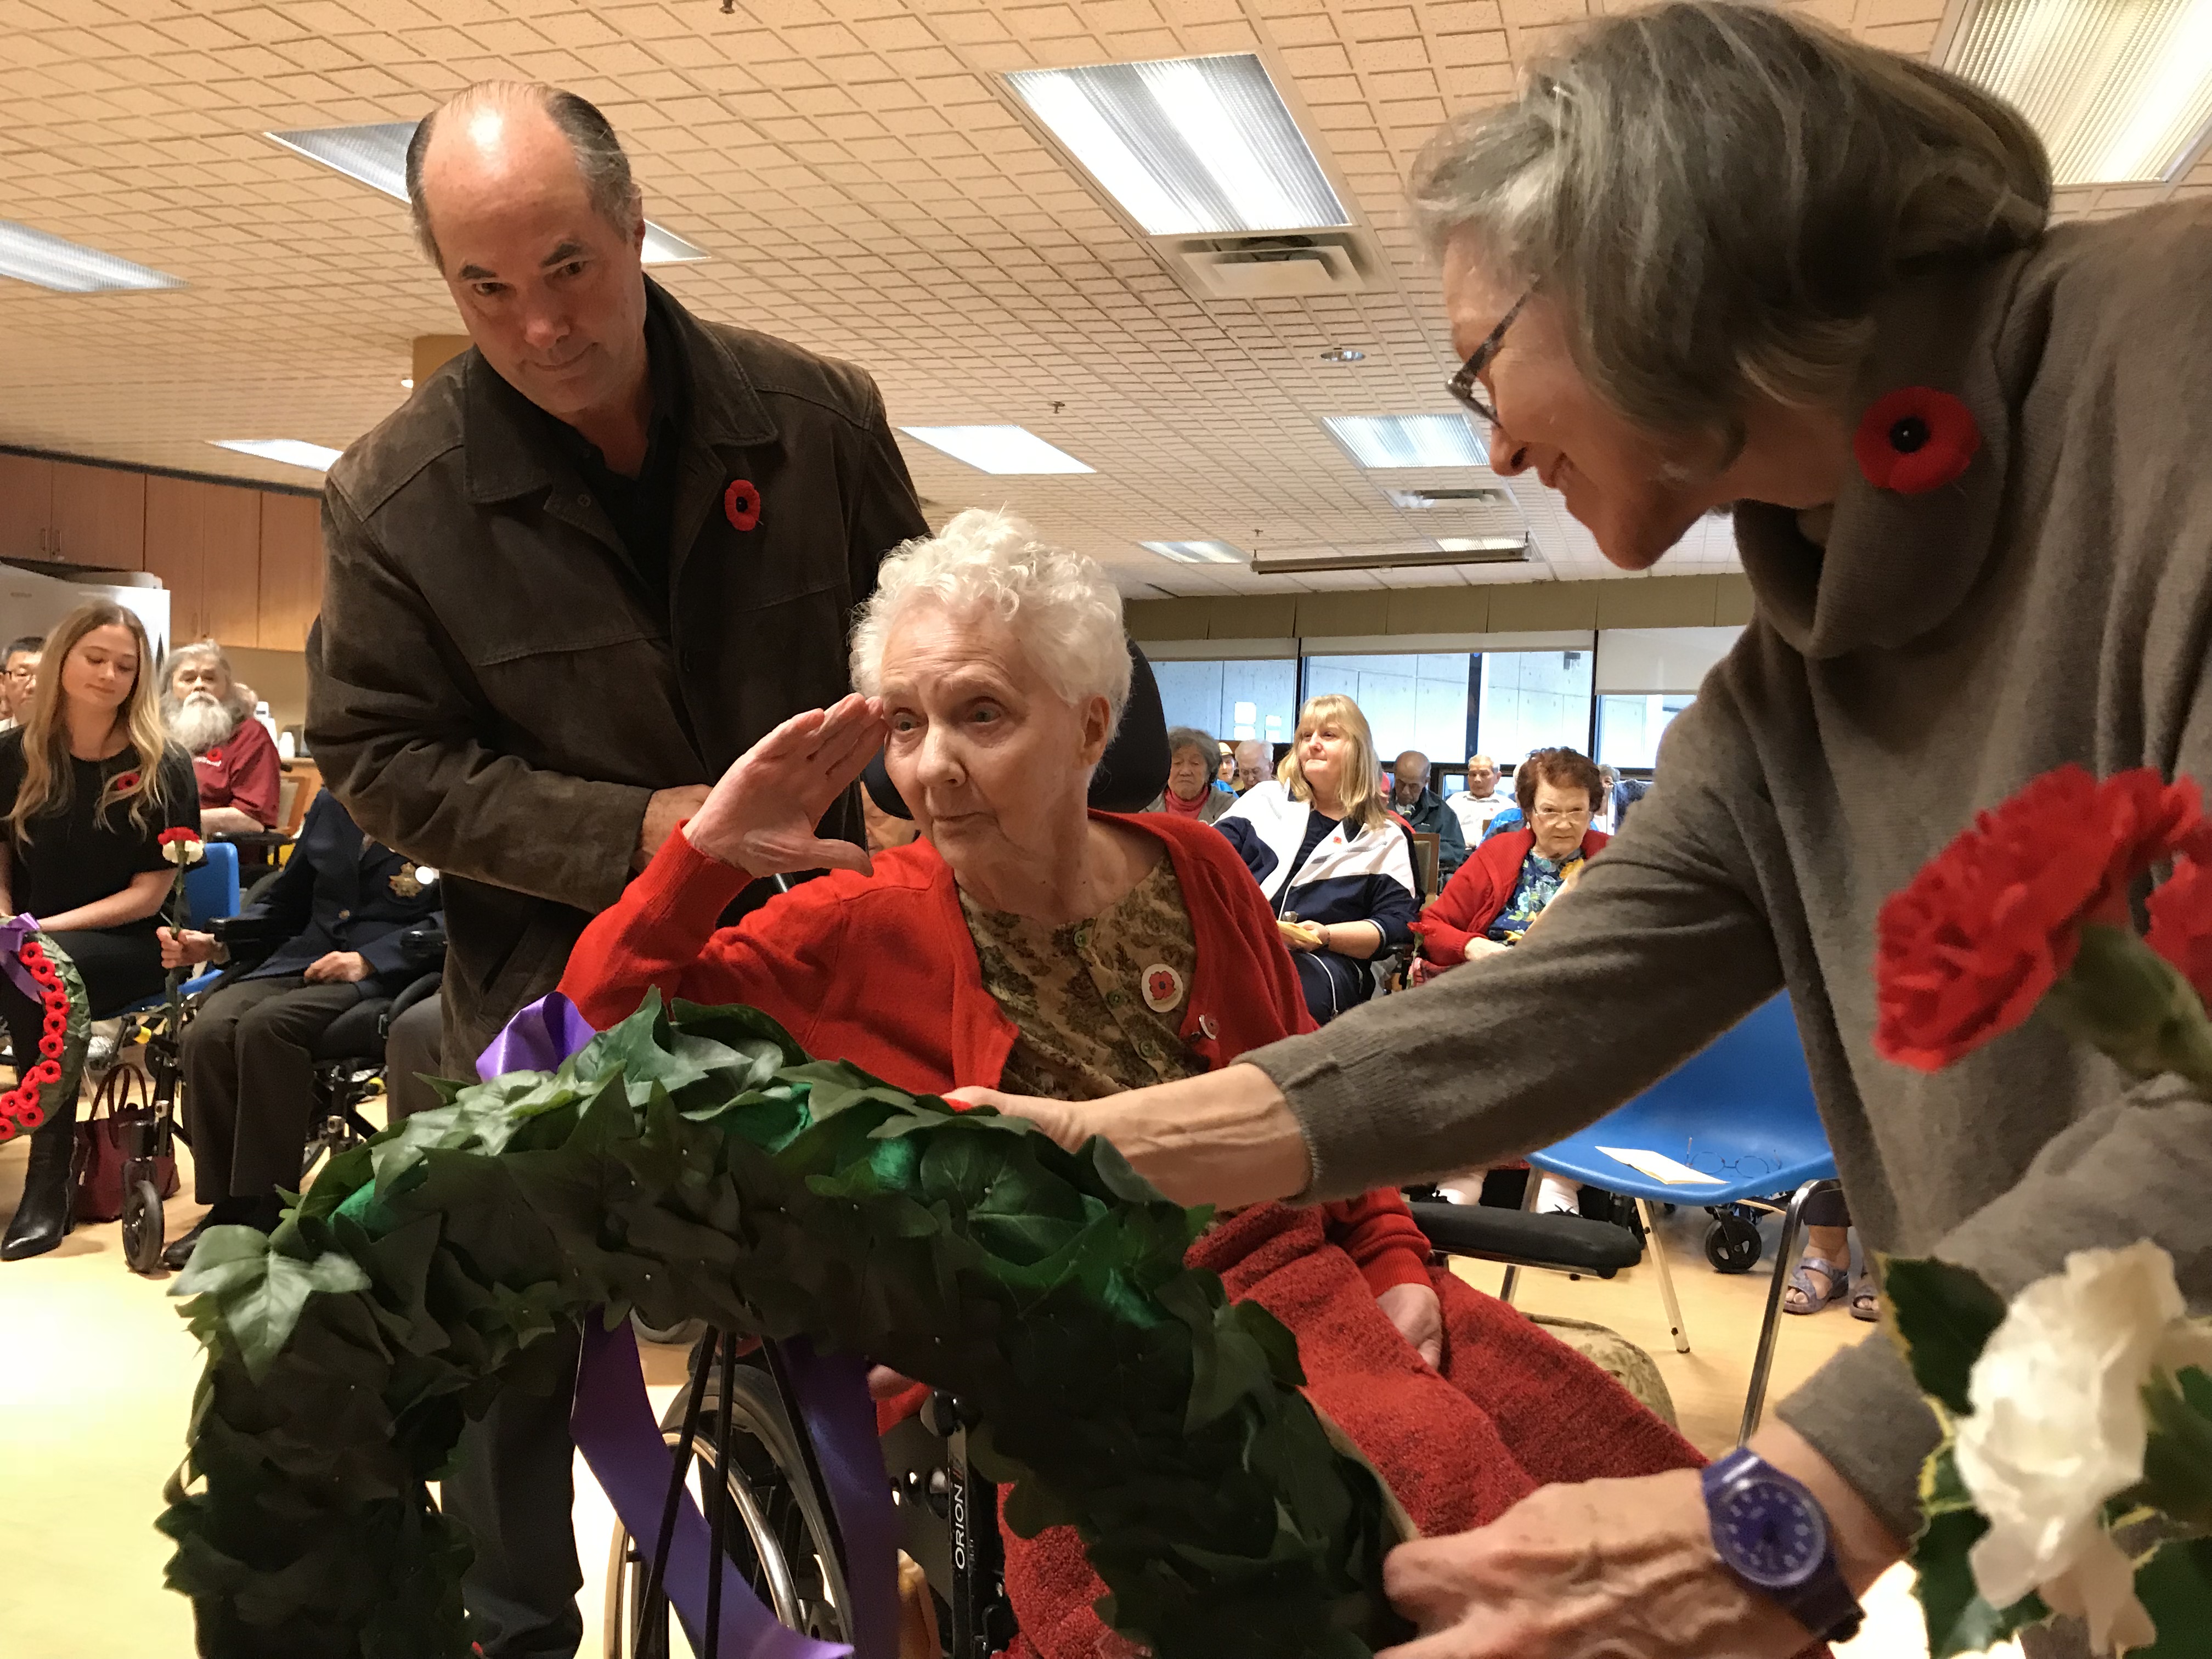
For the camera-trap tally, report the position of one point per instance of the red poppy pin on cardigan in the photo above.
(1915, 440)
(741, 504)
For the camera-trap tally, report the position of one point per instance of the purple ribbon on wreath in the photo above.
(613, 1424)
(13, 931)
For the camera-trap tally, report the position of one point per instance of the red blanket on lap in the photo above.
(1512, 1410)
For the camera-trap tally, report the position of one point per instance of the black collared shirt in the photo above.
(642, 509)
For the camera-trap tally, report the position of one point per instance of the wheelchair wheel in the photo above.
(1732, 1243)
(142, 1226)
(780, 1535)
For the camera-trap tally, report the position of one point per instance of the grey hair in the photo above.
(599, 155)
(1064, 610)
(1181, 738)
(198, 651)
(1716, 195)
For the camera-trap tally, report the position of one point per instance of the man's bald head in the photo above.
(1410, 773)
(500, 132)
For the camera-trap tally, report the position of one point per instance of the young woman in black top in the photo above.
(88, 783)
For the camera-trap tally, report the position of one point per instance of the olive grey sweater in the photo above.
(2053, 604)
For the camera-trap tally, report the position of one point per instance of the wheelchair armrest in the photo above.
(248, 939)
(1572, 1242)
(423, 945)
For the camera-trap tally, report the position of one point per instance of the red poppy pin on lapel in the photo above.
(1915, 440)
(741, 504)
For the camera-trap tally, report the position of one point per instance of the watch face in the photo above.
(1770, 1533)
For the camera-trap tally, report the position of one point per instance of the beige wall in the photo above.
(1495, 608)
(279, 678)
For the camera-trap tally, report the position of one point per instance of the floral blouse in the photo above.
(1540, 883)
(1099, 1004)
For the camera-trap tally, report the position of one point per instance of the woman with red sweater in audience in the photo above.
(1498, 894)
(1025, 942)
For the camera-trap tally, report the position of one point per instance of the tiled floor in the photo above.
(96, 1378)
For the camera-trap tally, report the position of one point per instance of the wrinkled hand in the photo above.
(1479, 946)
(760, 818)
(346, 967)
(185, 949)
(666, 809)
(1068, 1122)
(1419, 1314)
(1606, 1567)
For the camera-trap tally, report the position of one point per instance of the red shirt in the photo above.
(242, 771)
(880, 971)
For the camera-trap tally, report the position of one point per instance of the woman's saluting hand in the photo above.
(760, 817)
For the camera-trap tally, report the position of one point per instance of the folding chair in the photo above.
(1740, 1111)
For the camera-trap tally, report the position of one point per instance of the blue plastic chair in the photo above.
(1741, 1110)
(210, 893)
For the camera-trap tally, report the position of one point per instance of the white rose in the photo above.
(2058, 1428)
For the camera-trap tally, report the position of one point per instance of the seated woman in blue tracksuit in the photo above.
(1328, 856)
(342, 904)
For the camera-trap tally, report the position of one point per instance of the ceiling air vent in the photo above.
(1449, 496)
(1287, 267)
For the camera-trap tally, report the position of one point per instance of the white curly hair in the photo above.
(1063, 608)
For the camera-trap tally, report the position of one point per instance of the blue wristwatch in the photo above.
(1774, 1534)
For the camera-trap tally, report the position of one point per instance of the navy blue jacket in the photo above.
(337, 893)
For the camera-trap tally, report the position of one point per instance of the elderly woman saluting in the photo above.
(1028, 942)
(1965, 451)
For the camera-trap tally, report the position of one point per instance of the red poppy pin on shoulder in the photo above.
(1915, 440)
(741, 504)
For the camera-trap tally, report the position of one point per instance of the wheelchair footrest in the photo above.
(1572, 1242)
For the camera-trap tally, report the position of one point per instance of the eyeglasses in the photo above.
(1466, 385)
(23, 673)
(1562, 814)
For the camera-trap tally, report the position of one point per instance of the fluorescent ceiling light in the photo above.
(1484, 545)
(1196, 552)
(1189, 146)
(293, 451)
(1381, 441)
(376, 154)
(32, 256)
(997, 448)
(2119, 90)
(1484, 550)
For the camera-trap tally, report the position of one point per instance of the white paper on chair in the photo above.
(1660, 1167)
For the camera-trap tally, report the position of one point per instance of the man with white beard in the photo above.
(233, 755)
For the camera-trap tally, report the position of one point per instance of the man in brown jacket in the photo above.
(587, 565)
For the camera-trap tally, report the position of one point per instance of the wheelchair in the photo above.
(734, 1445)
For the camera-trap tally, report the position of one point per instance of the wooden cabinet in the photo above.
(203, 541)
(99, 516)
(27, 506)
(291, 569)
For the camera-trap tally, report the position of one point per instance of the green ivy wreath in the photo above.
(696, 1163)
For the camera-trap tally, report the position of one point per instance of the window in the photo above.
(1628, 727)
(1533, 700)
(1416, 701)
(1233, 699)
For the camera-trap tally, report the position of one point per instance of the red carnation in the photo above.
(741, 504)
(2181, 920)
(1990, 923)
(1915, 440)
(169, 837)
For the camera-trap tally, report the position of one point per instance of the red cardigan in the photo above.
(1472, 899)
(880, 971)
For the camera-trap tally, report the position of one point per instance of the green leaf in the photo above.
(1941, 1317)
(2175, 1587)
(2178, 1457)
(1959, 1620)
(260, 1291)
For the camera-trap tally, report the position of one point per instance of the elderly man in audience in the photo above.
(1254, 765)
(607, 491)
(19, 677)
(233, 755)
(1481, 800)
(1190, 792)
(342, 906)
(1412, 800)
(1030, 942)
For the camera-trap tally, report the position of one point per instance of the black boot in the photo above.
(42, 1219)
(261, 1214)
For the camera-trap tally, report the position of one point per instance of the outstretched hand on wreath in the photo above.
(760, 818)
